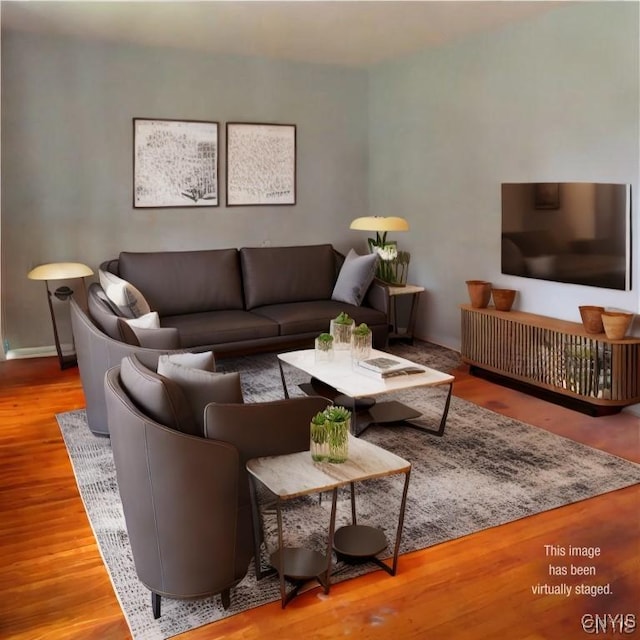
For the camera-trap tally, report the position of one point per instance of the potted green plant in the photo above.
(324, 347)
(319, 440)
(338, 422)
(340, 328)
(361, 340)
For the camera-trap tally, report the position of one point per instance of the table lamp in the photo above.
(60, 271)
(381, 225)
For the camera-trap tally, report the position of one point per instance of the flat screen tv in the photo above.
(576, 232)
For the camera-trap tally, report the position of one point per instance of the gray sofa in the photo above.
(229, 301)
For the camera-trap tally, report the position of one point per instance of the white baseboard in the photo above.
(34, 352)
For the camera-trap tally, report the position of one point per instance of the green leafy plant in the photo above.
(324, 341)
(343, 318)
(362, 330)
(330, 434)
(336, 413)
(318, 428)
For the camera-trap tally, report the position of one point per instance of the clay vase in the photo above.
(503, 298)
(479, 293)
(592, 318)
(616, 324)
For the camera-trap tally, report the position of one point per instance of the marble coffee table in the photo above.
(345, 383)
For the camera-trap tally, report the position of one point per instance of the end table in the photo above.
(394, 291)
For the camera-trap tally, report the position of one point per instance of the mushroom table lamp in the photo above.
(60, 271)
(381, 225)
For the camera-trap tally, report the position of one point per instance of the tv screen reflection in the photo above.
(574, 232)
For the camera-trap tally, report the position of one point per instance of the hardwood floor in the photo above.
(53, 583)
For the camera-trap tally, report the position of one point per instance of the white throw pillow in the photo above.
(124, 295)
(149, 320)
(355, 277)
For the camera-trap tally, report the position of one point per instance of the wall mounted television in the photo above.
(575, 232)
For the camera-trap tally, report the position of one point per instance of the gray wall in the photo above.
(554, 99)
(67, 110)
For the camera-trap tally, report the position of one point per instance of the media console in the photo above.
(551, 358)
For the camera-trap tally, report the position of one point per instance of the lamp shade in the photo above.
(59, 271)
(380, 223)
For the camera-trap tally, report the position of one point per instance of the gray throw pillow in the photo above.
(355, 277)
(202, 387)
(204, 360)
(160, 399)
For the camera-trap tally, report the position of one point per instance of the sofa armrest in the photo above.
(377, 297)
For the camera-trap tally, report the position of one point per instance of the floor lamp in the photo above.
(60, 271)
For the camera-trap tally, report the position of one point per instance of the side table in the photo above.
(292, 475)
(394, 291)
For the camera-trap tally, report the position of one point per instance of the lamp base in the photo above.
(67, 360)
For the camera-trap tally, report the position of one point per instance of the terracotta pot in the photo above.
(592, 318)
(503, 298)
(616, 324)
(479, 293)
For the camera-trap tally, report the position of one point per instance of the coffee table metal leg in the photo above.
(443, 419)
(284, 382)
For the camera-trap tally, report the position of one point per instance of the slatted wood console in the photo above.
(554, 358)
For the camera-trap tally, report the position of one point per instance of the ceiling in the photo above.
(356, 33)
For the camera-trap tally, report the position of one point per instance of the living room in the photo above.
(429, 136)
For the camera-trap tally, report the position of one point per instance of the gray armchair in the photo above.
(186, 498)
(97, 352)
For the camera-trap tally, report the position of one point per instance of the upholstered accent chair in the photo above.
(97, 352)
(186, 496)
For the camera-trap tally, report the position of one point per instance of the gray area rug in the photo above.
(487, 470)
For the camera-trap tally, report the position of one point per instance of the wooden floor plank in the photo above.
(54, 585)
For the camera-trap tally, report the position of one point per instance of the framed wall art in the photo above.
(261, 164)
(175, 163)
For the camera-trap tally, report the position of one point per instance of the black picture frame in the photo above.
(261, 164)
(175, 163)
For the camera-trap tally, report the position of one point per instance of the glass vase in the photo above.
(319, 444)
(341, 335)
(323, 351)
(361, 346)
(338, 439)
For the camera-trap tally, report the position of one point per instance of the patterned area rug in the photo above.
(487, 470)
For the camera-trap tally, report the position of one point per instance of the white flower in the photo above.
(387, 252)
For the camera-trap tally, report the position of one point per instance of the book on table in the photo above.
(386, 367)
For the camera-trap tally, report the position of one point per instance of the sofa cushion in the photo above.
(182, 282)
(202, 387)
(218, 327)
(315, 316)
(157, 397)
(355, 277)
(274, 275)
(125, 296)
